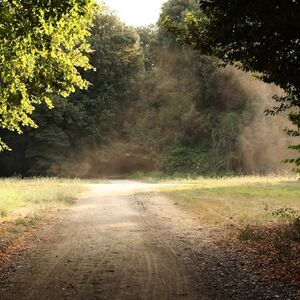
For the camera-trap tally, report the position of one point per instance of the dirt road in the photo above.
(124, 241)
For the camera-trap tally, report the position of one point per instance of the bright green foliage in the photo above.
(152, 105)
(68, 134)
(260, 36)
(43, 46)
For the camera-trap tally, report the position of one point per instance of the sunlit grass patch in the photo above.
(239, 200)
(20, 198)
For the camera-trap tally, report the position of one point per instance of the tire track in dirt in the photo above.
(117, 243)
(170, 263)
(102, 248)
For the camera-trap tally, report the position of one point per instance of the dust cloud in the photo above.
(263, 144)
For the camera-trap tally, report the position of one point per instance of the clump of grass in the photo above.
(286, 214)
(252, 233)
(22, 224)
(25, 222)
(3, 212)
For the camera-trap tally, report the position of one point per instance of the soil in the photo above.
(123, 241)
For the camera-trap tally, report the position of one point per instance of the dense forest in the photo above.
(152, 105)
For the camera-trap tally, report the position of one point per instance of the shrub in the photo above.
(193, 160)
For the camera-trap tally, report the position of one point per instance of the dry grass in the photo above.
(21, 198)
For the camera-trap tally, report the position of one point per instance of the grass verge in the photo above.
(24, 203)
(256, 214)
(21, 198)
(238, 200)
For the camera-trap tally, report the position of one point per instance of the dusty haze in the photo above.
(262, 144)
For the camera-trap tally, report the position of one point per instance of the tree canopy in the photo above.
(151, 105)
(261, 36)
(43, 46)
(86, 118)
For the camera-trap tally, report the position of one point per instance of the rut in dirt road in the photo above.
(101, 249)
(125, 241)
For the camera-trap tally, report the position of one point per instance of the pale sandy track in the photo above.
(120, 243)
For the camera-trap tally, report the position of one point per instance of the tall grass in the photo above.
(29, 197)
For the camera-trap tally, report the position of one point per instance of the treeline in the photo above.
(88, 117)
(152, 105)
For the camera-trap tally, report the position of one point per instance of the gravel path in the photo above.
(124, 241)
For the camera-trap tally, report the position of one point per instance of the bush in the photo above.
(287, 231)
(194, 161)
